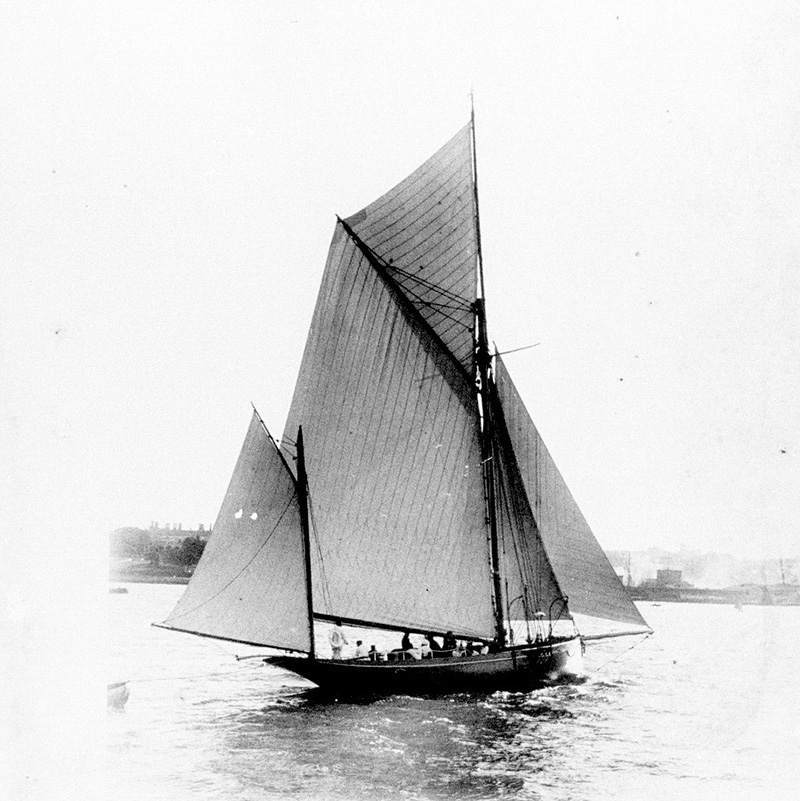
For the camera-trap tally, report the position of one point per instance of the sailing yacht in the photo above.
(411, 490)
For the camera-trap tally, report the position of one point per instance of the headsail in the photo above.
(393, 458)
(531, 590)
(580, 565)
(250, 584)
(425, 231)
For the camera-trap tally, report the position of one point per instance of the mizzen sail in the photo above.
(392, 446)
(579, 563)
(250, 584)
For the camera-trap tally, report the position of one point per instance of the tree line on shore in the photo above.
(137, 543)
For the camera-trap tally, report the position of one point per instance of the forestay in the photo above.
(250, 585)
(391, 432)
(583, 571)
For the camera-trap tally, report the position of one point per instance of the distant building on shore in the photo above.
(175, 533)
(669, 578)
(666, 578)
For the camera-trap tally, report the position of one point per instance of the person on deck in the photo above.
(337, 639)
(449, 643)
(361, 649)
(405, 643)
(373, 654)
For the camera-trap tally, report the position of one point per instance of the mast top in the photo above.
(479, 254)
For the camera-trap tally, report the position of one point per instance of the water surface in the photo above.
(707, 708)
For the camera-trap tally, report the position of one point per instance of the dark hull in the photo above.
(516, 670)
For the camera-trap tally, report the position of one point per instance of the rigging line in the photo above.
(622, 653)
(436, 307)
(323, 581)
(418, 278)
(422, 303)
(441, 262)
(526, 569)
(515, 350)
(505, 503)
(457, 300)
(275, 445)
(440, 306)
(187, 678)
(249, 562)
(531, 557)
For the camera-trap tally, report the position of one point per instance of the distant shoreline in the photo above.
(747, 595)
(148, 579)
(149, 574)
(744, 595)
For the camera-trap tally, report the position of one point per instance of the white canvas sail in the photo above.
(531, 590)
(425, 230)
(250, 583)
(392, 446)
(579, 563)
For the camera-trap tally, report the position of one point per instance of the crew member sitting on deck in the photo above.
(405, 651)
(449, 642)
(361, 649)
(373, 653)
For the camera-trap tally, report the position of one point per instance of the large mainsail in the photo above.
(250, 585)
(393, 456)
(580, 565)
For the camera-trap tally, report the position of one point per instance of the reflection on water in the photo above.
(703, 710)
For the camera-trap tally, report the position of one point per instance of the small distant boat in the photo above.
(118, 590)
(411, 490)
(118, 694)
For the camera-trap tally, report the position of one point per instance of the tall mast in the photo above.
(302, 498)
(481, 289)
(483, 360)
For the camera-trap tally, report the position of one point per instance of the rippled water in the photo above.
(707, 708)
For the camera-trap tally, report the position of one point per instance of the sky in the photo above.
(171, 174)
